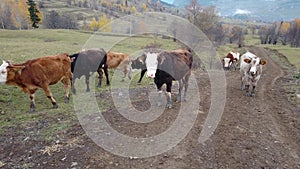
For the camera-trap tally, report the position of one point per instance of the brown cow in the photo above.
(39, 73)
(121, 61)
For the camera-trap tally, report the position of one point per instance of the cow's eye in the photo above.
(3, 72)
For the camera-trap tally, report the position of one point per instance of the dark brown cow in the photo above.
(167, 66)
(116, 60)
(88, 61)
(39, 73)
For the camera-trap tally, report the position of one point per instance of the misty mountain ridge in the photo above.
(260, 10)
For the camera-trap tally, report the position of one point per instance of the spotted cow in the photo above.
(251, 70)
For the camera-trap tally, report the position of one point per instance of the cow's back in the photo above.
(46, 70)
(114, 59)
(41, 72)
(177, 63)
(87, 61)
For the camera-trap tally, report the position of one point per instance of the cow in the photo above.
(251, 70)
(166, 66)
(231, 60)
(120, 61)
(88, 61)
(139, 63)
(39, 73)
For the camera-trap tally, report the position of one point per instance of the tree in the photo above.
(194, 9)
(33, 13)
(94, 26)
(104, 24)
(144, 6)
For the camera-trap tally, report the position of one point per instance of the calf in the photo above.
(251, 70)
(88, 61)
(167, 66)
(120, 61)
(231, 60)
(139, 63)
(38, 73)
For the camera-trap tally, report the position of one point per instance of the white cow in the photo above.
(251, 70)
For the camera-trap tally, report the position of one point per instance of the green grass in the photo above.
(291, 53)
(21, 45)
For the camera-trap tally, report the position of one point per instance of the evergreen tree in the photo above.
(33, 13)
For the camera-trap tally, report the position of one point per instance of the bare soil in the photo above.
(254, 132)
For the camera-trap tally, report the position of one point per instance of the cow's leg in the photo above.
(169, 98)
(105, 68)
(129, 74)
(142, 75)
(49, 95)
(180, 87)
(253, 91)
(186, 84)
(32, 103)
(247, 89)
(73, 85)
(125, 71)
(87, 82)
(100, 73)
(159, 100)
(67, 84)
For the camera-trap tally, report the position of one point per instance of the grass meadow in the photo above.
(19, 46)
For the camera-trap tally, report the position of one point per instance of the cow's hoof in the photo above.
(169, 106)
(67, 99)
(252, 94)
(247, 94)
(87, 90)
(55, 106)
(31, 110)
(74, 91)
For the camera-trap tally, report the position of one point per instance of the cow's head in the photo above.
(3, 71)
(226, 63)
(138, 62)
(151, 64)
(254, 64)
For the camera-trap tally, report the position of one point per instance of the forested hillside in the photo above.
(92, 15)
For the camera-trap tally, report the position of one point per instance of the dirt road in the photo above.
(254, 132)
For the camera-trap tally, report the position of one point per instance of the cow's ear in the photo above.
(247, 60)
(141, 60)
(16, 68)
(263, 62)
(162, 59)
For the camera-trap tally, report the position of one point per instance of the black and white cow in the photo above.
(167, 66)
(251, 70)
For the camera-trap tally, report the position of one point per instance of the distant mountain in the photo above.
(261, 10)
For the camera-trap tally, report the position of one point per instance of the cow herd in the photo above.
(250, 68)
(164, 66)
